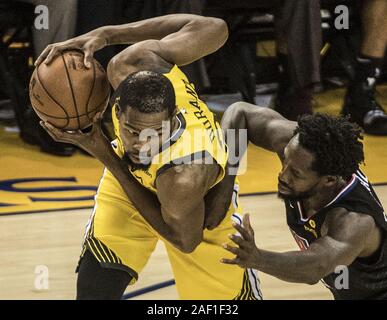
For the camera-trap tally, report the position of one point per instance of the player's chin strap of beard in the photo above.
(116, 122)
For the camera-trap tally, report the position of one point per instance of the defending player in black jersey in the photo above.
(332, 210)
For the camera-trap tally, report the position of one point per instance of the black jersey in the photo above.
(367, 278)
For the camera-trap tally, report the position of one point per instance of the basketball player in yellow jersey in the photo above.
(162, 170)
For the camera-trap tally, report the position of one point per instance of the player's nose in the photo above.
(283, 176)
(141, 146)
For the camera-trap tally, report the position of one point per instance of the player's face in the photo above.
(297, 180)
(143, 134)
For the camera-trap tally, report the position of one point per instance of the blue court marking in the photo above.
(145, 290)
(168, 283)
(90, 207)
(48, 210)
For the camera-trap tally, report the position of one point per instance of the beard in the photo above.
(144, 166)
(298, 196)
(295, 196)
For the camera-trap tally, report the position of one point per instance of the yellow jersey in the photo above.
(198, 136)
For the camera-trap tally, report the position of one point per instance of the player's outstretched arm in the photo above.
(177, 38)
(182, 38)
(266, 128)
(349, 235)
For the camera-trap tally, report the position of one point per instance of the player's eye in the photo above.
(296, 174)
(132, 132)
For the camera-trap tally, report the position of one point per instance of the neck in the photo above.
(316, 202)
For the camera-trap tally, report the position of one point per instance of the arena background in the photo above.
(46, 200)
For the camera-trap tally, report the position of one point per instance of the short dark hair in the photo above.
(146, 91)
(335, 143)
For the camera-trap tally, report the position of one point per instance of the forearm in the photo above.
(145, 201)
(243, 123)
(219, 197)
(154, 28)
(217, 202)
(234, 127)
(263, 127)
(292, 266)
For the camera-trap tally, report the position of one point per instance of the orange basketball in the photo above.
(66, 94)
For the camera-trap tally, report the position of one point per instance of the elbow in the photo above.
(215, 27)
(115, 69)
(221, 26)
(111, 71)
(237, 109)
(188, 244)
(312, 280)
(188, 248)
(319, 272)
(244, 109)
(234, 117)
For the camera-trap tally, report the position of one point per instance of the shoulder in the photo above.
(346, 223)
(146, 56)
(142, 56)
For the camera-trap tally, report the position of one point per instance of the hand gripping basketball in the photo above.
(66, 93)
(94, 142)
(88, 43)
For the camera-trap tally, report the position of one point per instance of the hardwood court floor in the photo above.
(53, 239)
(31, 181)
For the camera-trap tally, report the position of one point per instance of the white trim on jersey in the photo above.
(234, 198)
(301, 213)
(252, 273)
(365, 183)
(303, 241)
(350, 183)
(176, 131)
(362, 176)
(363, 180)
(238, 219)
(255, 283)
(325, 284)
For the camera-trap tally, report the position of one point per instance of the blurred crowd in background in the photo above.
(291, 49)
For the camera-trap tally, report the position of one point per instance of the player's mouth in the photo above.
(284, 189)
(135, 158)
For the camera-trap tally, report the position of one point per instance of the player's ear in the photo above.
(174, 112)
(330, 181)
(118, 110)
(116, 105)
